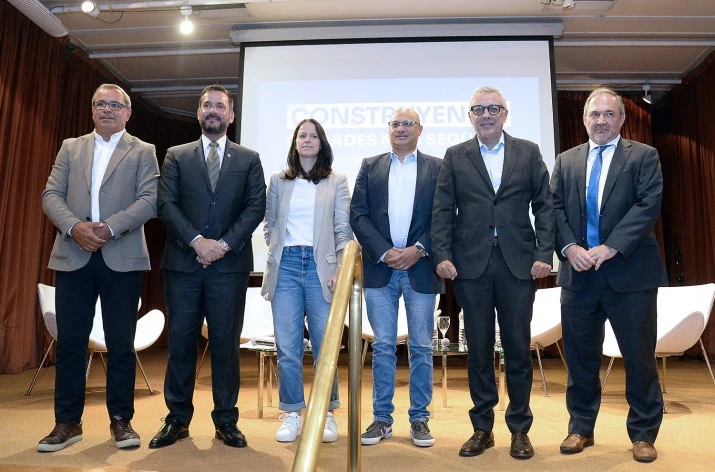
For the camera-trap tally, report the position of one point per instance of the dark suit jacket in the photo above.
(188, 207)
(629, 210)
(466, 237)
(371, 223)
(127, 200)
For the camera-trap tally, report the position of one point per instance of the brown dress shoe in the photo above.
(521, 446)
(575, 443)
(122, 433)
(475, 445)
(644, 451)
(61, 436)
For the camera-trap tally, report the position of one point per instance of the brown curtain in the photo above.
(684, 132)
(45, 91)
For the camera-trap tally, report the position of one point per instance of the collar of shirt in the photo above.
(613, 142)
(483, 147)
(410, 157)
(113, 140)
(220, 148)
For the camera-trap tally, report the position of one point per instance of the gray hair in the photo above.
(127, 100)
(488, 89)
(608, 91)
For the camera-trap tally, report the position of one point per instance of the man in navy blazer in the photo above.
(611, 269)
(483, 239)
(212, 196)
(390, 214)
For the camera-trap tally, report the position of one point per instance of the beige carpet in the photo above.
(683, 444)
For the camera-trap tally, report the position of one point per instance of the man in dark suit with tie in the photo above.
(391, 214)
(101, 191)
(607, 195)
(490, 250)
(212, 195)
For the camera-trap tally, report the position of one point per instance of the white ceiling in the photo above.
(622, 43)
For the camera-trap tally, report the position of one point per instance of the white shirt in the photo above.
(494, 161)
(220, 148)
(301, 214)
(103, 151)
(607, 157)
(401, 196)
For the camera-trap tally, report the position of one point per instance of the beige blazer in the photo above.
(127, 200)
(331, 227)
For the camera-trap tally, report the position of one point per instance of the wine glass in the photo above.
(443, 325)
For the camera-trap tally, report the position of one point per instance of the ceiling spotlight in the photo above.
(569, 4)
(90, 8)
(186, 27)
(647, 97)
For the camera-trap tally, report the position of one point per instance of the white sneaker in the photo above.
(290, 428)
(330, 433)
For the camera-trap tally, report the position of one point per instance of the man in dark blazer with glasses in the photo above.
(483, 240)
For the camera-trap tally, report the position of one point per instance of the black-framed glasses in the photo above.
(114, 106)
(493, 109)
(405, 123)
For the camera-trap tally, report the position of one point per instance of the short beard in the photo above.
(213, 129)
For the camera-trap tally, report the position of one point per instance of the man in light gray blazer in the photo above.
(101, 191)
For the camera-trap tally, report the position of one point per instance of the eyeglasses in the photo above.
(114, 106)
(405, 123)
(493, 109)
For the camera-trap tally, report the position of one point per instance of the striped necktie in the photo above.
(213, 165)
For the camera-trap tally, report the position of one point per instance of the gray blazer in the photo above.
(331, 228)
(126, 201)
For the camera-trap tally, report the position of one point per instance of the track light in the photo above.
(569, 4)
(647, 97)
(186, 27)
(90, 8)
(565, 4)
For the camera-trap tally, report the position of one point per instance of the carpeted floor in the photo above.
(683, 444)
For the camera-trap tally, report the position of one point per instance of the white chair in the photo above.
(257, 321)
(149, 328)
(683, 314)
(546, 325)
(46, 294)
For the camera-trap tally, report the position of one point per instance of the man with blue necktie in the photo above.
(607, 195)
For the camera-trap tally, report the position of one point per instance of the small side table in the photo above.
(264, 353)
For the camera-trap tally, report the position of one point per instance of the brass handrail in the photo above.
(348, 288)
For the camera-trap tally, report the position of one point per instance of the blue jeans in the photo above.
(382, 306)
(298, 293)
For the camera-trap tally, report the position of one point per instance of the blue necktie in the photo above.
(592, 210)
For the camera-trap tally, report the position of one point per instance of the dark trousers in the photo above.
(75, 299)
(633, 318)
(513, 300)
(221, 298)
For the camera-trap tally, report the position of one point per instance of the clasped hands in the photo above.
(402, 258)
(447, 270)
(91, 235)
(208, 251)
(582, 259)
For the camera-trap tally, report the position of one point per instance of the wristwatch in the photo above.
(421, 252)
(224, 244)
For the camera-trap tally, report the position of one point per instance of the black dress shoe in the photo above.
(231, 435)
(169, 433)
(521, 446)
(475, 445)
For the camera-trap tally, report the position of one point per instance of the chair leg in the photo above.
(44, 358)
(707, 361)
(139, 363)
(364, 351)
(89, 364)
(561, 354)
(541, 369)
(201, 362)
(665, 375)
(608, 371)
(104, 363)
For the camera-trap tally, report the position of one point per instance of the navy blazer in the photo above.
(371, 223)
(630, 207)
(189, 207)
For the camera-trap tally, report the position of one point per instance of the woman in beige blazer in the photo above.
(306, 229)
